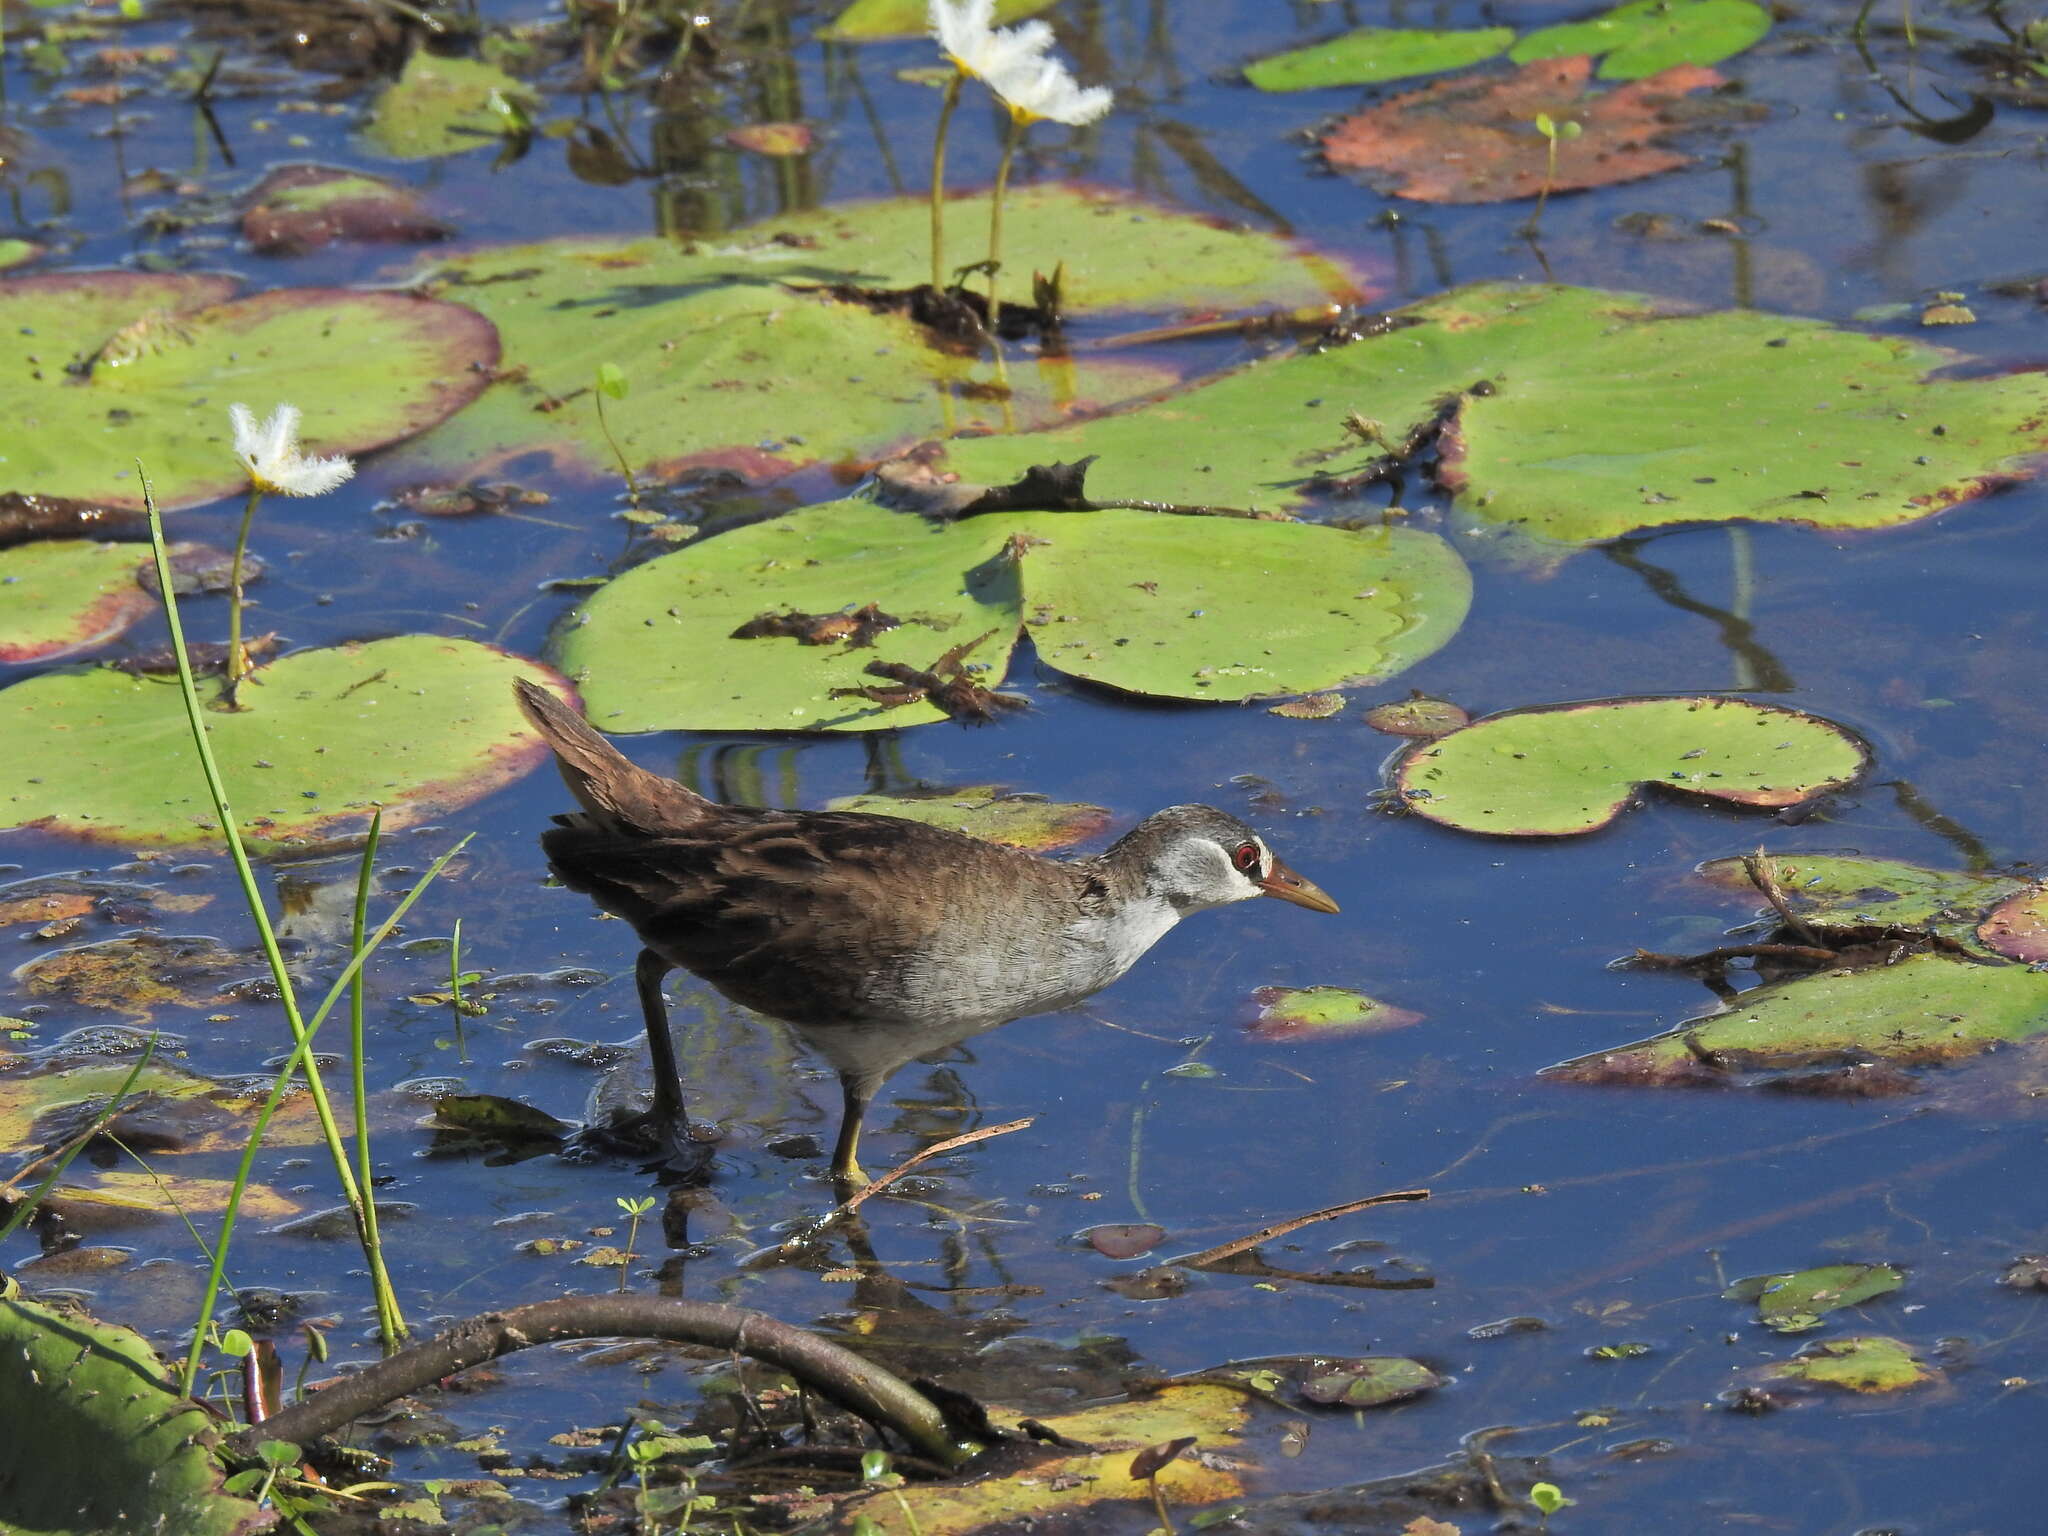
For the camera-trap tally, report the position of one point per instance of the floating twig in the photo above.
(1239, 1245)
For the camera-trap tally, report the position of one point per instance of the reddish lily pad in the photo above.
(162, 357)
(1418, 715)
(779, 140)
(417, 724)
(1560, 769)
(990, 812)
(1796, 1302)
(2018, 926)
(1471, 139)
(1868, 1363)
(1321, 1013)
(63, 596)
(1125, 1239)
(299, 208)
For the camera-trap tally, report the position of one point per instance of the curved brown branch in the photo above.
(836, 1374)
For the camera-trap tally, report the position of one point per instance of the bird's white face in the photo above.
(1197, 872)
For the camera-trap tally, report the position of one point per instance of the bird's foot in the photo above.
(673, 1140)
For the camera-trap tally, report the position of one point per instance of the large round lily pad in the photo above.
(67, 595)
(1182, 607)
(1645, 36)
(736, 354)
(444, 106)
(1566, 768)
(162, 358)
(417, 724)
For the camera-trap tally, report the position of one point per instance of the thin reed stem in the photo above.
(238, 660)
(390, 1321)
(946, 106)
(995, 220)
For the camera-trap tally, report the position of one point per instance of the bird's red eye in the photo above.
(1246, 858)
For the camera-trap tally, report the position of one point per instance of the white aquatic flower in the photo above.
(269, 451)
(966, 31)
(1040, 89)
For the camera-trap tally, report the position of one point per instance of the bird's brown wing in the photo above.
(810, 917)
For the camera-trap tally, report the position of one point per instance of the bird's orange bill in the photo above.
(1288, 886)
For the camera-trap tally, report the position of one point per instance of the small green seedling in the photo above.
(634, 1210)
(1552, 131)
(1548, 1499)
(611, 381)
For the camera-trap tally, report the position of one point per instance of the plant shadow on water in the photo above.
(1586, 1297)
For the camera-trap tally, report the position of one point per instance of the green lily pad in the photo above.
(1377, 53)
(1371, 1382)
(1561, 769)
(1924, 1010)
(164, 356)
(444, 106)
(1645, 36)
(416, 724)
(873, 21)
(97, 1440)
(989, 812)
(1307, 1013)
(299, 208)
(15, 253)
(1849, 888)
(1867, 1363)
(27, 1097)
(1152, 604)
(1602, 413)
(729, 364)
(1795, 1302)
(67, 595)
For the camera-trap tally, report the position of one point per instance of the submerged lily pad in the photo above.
(1377, 53)
(61, 596)
(97, 1440)
(1305, 1013)
(1602, 413)
(162, 356)
(416, 724)
(1850, 888)
(134, 974)
(989, 812)
(1561, 769)
(1179, 607)
(738, 355)
(1795, 1302)
(1867, 1363)
(1644, 36)
(443, 106)
(299, 208)
(1370, 1382)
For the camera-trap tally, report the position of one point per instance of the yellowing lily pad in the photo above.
(737, 355)
(1070, 1482)
(127, 1196)
(1645, 36)
(163, 356)
(135, 974)
(1372, 54)
(61, 596)
(17, 253)
(1868, 1363)
(1308, 1013)
(26, 1097)
(1795, 1302)
(1153, 604)
(416, 724)
(445, 106)
(989, 812)
(1601, 413)
(1568, 768)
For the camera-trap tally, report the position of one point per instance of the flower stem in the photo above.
(952, 100)
(238, 662)
(995, 219)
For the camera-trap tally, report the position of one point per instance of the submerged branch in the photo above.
(836, 1374)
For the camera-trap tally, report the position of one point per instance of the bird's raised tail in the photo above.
(604, 781)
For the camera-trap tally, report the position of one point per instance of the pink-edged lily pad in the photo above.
(1323, 1013)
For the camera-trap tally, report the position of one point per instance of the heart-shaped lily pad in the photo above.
(443, 106)
(737, 354)
(1560, 769)
(988, 812)
(416, 724)
(1601, 413)
(1793, 1303)
(1372, 54)
(1644, 36)
(1322, 1013)
(1191, 608)
(98, 369)
(67, 595)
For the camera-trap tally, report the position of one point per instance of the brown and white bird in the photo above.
(876, 939)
